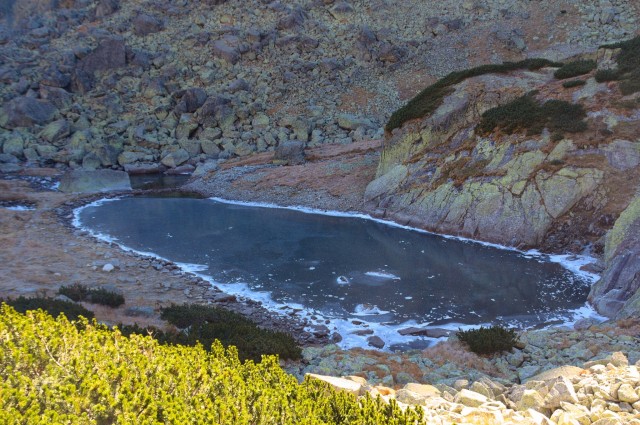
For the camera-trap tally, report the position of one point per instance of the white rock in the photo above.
(339, 384)
(628, 394)
(108, 267)
(562, 390)
(538, 418)
(425, 390)
(531, 399)
(470, 398)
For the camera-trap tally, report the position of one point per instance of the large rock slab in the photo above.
(81, 181)
(26, 111)
(470, 398)
(551, 374)
(340, 384)
(174, 159)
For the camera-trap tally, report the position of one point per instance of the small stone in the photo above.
(144, 24)
(627, 393)
(108, 267)
(531, 399)
(562, 390)
(470, 398)
(352, 122)
(375, 341)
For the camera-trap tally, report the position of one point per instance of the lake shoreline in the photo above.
(53, 214)
(49, 251)
(353, 330)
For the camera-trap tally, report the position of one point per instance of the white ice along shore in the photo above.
(389, 333)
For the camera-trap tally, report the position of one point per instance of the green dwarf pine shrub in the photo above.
(490, 340)
(573, 83)
(575, 68)
(526, 113)
(78, 292)
(628, 72)
(604, 75)
(53, 371)
(54, 307)
(204, 324)
(429, 99)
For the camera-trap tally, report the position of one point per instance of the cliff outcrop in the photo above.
(489, 163)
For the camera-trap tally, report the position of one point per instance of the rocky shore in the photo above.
(602, 392)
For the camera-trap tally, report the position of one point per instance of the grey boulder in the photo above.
(289, 153)
(26, 111)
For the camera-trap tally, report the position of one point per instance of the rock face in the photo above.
(555, 191)
(515, 190)
(81, 181)
(616, 294)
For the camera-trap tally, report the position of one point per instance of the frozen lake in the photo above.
(344, 269)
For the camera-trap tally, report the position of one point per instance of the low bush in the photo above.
(526, 113)
(575, 68)
(573, 83)
(78, 292)
(628, 72)
(104, 297)
(429, 99)
(630, 85)
(54, 307)
(205, 324)
(494, 339)
(604, 75)
(51, 371)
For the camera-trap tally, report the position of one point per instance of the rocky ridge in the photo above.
(559, 191)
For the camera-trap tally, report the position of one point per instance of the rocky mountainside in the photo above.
(538, 157)
(155, 85)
